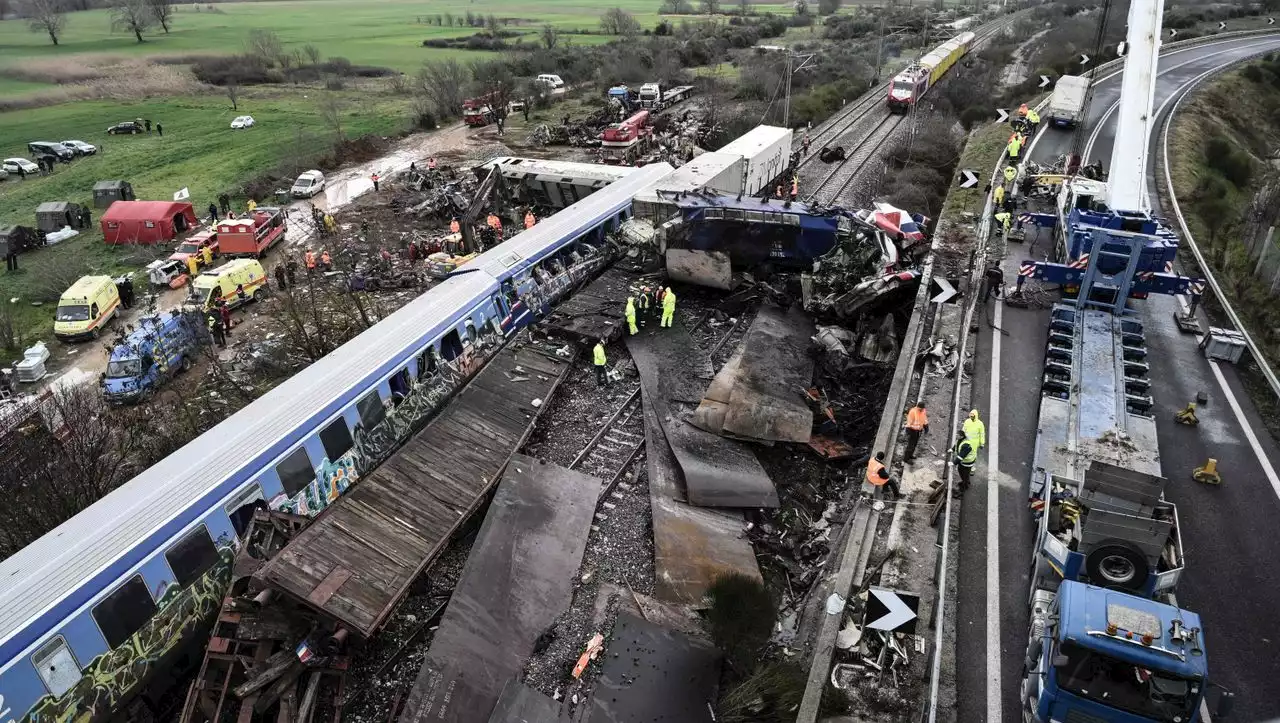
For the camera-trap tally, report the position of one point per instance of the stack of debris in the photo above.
(265, 658)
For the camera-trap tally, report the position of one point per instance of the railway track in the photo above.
(837, 126)
(833, 185)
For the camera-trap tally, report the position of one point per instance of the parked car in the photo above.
(13, 164)
(308, 184)
(243, 121)
(56, 150)
(126, 128)
(81, 148)
(552, 80)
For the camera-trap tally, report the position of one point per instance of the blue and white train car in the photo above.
(90, 612)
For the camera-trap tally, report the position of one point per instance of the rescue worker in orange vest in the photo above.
(374, 177)
(311, 260)
(454, 226)
(325, 260)
(779, 191)
(878, 475)
(431, 163)
(795, 187)
(917, 424)
(529, 219)
(495, 223)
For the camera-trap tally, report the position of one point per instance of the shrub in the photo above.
(239, 69)
(1233, 164)
(740, 619)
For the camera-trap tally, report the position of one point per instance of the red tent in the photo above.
(146, 222)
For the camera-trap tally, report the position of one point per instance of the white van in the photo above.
(308, 184)
(552, 81)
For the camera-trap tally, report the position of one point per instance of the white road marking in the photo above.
(1247, 427)
(995, 700)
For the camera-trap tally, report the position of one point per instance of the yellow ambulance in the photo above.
(87, 306)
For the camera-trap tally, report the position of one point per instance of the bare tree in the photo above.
(496, 81)
(132, 16)
(331, 109)
(744, 7)
(162, 12)
(711, 7)
(617, 21)
(674, 7)
(312, 53)
(829, 7)
(549, 36)
(232, 89)
(47, 16)
(443, 81)
(265, 44)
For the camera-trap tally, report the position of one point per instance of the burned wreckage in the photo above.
(845, 260)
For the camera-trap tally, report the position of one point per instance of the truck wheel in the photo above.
(1118, 565)
(185, 363)
(260, 295)
(96, 332)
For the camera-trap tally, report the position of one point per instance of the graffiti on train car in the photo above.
(113, 677)
(404, 416)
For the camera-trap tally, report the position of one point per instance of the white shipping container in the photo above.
(767, 153)
(717, 170)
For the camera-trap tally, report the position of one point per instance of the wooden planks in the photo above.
(383, 533)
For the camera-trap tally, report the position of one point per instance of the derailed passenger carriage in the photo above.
(907, 86)
(93, 611)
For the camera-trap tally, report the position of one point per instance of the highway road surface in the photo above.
(1230, 532)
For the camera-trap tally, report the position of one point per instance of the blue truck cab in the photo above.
(1105, 655)
(159, 347)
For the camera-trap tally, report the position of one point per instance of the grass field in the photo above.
(198, 151)
(386, 33)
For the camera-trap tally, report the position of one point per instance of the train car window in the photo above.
(399, 384)
(336, 439)
(240, 509)
(471, 332)
(192, 556)
(124, 611)
(509, 293)
(57, 666)
(296, 471)
(428, 363)
(371, 410)
(450, 345)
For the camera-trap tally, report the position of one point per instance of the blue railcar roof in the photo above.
(64, 569)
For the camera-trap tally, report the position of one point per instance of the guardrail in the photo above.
(1185, 91)
(984, 231)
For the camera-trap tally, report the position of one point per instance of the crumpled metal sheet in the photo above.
(718, 472)
(692, 546)
(776, 366)
(517, 580)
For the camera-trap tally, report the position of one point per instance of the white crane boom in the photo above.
(1134, 125)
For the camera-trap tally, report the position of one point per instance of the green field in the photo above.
(198, 151)
(385, 33)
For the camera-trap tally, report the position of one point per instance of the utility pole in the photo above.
(880, 48)
(789, 68)
(786, 103)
